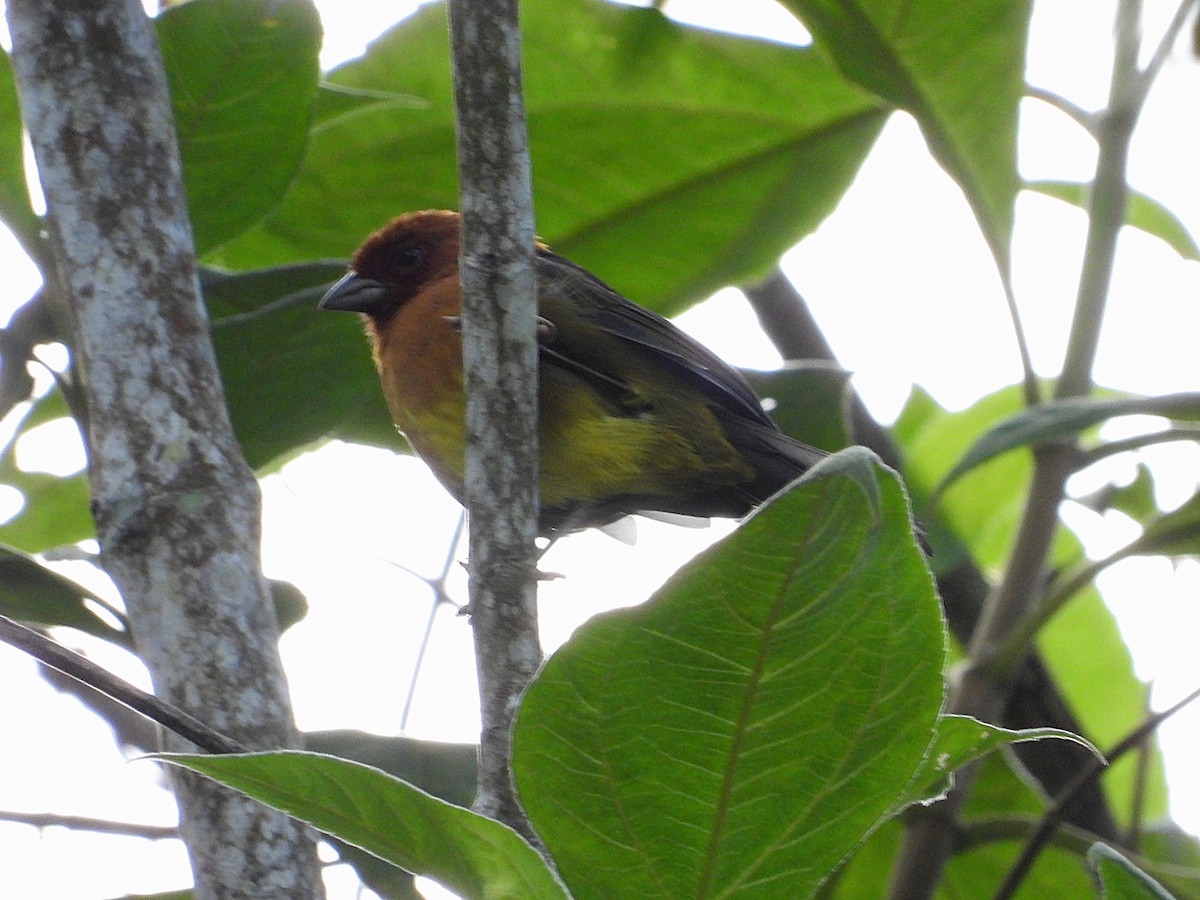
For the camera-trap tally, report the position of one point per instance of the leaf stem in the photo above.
(1137, 442)
(1085, 118)
(84, 670)
(1147, 76)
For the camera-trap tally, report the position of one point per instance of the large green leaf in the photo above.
(242, 75)
(958, 66)
(744, 729)
(636, 124)
(470, 854)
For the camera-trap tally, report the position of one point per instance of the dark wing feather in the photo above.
(607, 310)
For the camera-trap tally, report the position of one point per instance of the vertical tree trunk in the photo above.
(176, 506)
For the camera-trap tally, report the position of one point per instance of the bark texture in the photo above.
(500, 376)
(176, 507)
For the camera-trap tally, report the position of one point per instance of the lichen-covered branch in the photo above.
(176, 507)
(500, 375)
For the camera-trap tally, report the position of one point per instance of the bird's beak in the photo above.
(355, 293)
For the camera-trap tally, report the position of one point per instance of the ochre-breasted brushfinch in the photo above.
(633, 414)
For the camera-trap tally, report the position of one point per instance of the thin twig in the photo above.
(440, 596)
(87, 823)
(1141, 777)
(1085, 118)
(82, 669)
(980, 832)
(1031, 388)
(306, 298)
(1137, 442)
(1169, 36)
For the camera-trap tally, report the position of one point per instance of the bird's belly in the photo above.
(588, 455)
(593, 456)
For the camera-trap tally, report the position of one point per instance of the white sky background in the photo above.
(901, 253)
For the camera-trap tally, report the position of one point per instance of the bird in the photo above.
(634, 415)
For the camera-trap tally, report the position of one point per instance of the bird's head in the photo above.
(395, 262)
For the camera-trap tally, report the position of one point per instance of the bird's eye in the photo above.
(408, 257)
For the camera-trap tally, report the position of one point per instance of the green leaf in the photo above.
(55, 511)
(1135, 499)
(808, 401)
(974, 870)
(15, 210)
(444, 770)
(1174, 533)
(35, 595)
(1142, 212)
(1056, 418)
(636, 125)
(961, 739)
(968, 873)
(1119, 879)
(292, 374)
(242, 75)
(744, 729)
(289, 601)
(1171, 855)
(933, 441)
(467, 853)
(958, 68)
(1057, 873)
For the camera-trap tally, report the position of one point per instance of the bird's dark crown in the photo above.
(410, 250)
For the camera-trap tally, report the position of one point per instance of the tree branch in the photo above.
(176, 507)
(500, 378)
(928, 840)
(87, 672)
